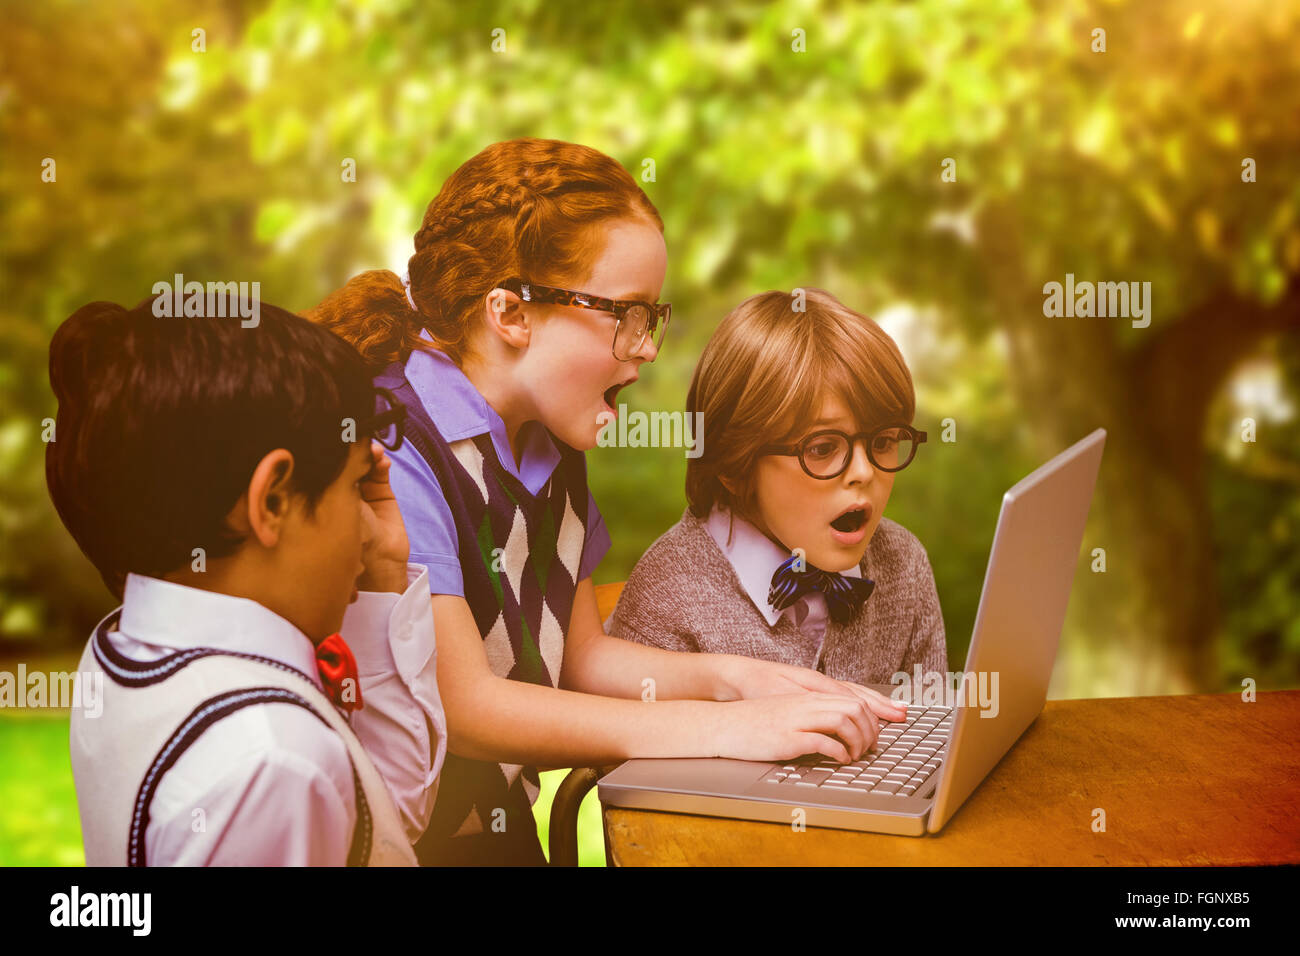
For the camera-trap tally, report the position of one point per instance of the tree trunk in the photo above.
(1174, 377)
(1152, 500)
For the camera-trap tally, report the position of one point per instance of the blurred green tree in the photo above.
(793, 143)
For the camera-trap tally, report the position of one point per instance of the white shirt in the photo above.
(209, 808)
(755, 558)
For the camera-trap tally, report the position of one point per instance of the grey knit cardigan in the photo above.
(684, 595)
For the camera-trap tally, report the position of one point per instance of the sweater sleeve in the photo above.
(928, 645)
(648, 611)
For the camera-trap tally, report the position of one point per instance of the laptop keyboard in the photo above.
(903, 757)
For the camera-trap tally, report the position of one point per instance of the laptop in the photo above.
(920, 771)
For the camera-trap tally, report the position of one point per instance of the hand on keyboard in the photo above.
(905, 756)
(778, 728)
(747, 678)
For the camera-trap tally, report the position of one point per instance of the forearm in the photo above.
(514, 722)
(614, 667)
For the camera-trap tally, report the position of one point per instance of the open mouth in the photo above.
(850, 521)
(611, 393)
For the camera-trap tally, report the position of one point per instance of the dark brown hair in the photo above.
(162, 420)
(526, 207)
(762, 379)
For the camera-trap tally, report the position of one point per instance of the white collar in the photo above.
(755, 558)
(169, 617)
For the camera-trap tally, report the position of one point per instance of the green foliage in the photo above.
(1257, 540)
(773, 169)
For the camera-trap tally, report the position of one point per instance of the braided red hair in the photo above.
(534, 208)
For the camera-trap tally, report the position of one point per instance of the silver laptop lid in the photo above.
(1018, 625)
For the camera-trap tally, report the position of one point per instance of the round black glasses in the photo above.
(826, 454)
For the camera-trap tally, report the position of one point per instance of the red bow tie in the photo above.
(338, 672)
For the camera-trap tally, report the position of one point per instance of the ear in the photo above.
(264, 506)
(504, 316)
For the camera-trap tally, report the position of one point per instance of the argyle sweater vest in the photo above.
(520, 555)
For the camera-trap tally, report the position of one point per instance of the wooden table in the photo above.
(1196, 780)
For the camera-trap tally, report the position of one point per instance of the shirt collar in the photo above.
(755, 558)
(460, 411)
(174, 617)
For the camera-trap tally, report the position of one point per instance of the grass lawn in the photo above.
(40, 826)
(39, 823)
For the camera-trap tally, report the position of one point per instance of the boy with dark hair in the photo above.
(266, 698)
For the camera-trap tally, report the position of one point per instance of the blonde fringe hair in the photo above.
(762, 380)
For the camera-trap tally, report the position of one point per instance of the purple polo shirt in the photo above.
(459, 411)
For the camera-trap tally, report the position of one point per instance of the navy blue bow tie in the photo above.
(844, 595)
